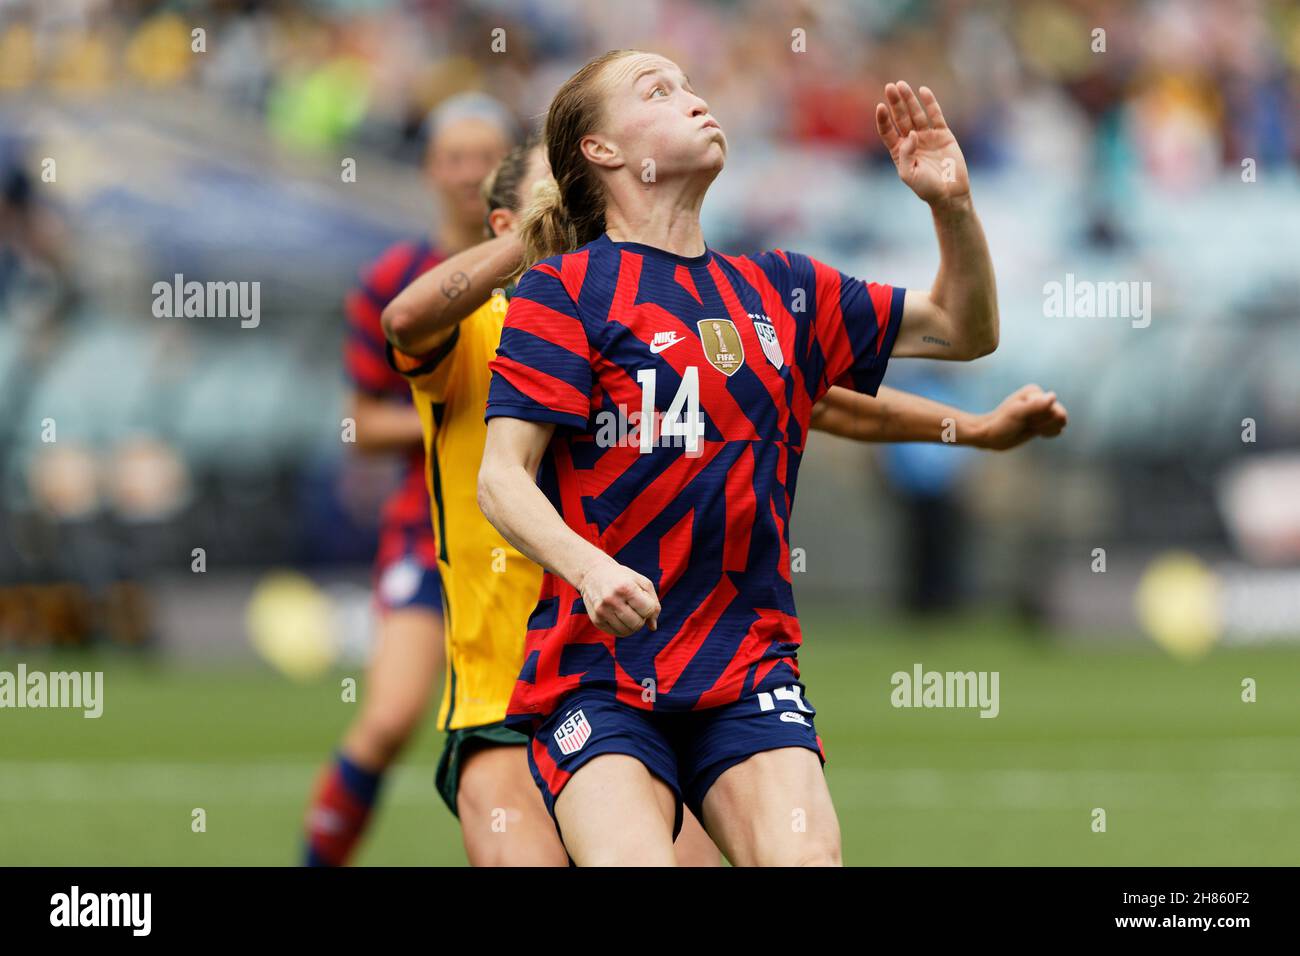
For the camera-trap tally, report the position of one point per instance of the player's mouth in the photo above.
(711, 124)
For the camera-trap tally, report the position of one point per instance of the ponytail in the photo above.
(545, 227)
(567, 210)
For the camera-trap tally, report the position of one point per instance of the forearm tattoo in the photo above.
(455, 285)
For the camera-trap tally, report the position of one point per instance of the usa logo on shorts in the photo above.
(573, 733)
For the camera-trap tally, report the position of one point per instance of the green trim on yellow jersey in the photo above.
(489, 588)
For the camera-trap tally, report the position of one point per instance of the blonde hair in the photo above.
(567, 209)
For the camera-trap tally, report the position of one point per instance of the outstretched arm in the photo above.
(894, 416)
(958, 317)
(424, 313)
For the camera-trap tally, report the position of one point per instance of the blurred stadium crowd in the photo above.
(1164, 150)
(1190, 87)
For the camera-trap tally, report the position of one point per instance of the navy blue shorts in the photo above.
(409, 580)
(688, 750)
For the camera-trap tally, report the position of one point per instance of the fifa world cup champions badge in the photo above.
(722, 345)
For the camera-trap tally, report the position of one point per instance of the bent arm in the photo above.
(958, 318)
(423, 314)
(618, 599)
(510, 499)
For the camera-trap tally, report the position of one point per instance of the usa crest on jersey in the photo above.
(767, 338)
(573, 733)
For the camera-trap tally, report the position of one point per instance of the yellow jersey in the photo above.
(489, 588)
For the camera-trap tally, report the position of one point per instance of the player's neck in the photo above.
(664, 214)
(675, 230)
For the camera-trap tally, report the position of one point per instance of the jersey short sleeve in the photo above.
(853, 325)
(365, 348)
(430, 373)
(542, 370)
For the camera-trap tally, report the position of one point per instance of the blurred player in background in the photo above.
(487, 584)
(638, 707)
(445, 328)
(466, 137)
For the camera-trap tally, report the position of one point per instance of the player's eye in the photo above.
(659, 89)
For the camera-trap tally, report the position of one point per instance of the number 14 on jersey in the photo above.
(682, 419)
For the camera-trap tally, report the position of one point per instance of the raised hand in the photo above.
(921, 144)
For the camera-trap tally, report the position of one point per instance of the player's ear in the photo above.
(502, 221)
(600, 151)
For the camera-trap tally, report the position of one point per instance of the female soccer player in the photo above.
(489, 588)
(660, 665)
(443, 329)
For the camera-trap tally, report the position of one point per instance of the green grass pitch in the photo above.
(1187, 773)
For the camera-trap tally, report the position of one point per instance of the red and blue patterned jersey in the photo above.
(406, 513)
(728, 355)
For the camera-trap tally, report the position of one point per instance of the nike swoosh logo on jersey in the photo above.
(663, 340)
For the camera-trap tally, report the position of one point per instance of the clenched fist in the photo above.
(619, 601)
(1026, 413)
